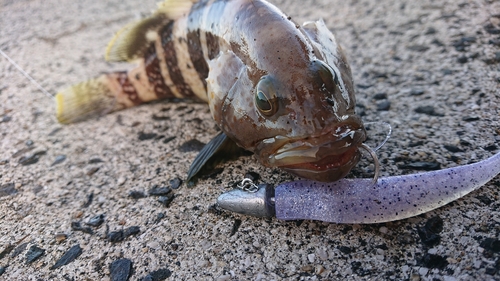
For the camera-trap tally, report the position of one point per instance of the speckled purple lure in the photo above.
(361, 201)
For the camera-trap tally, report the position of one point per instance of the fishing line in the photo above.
(26, 74)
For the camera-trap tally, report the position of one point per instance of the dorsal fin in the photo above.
(132, 41)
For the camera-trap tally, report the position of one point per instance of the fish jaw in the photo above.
(326, 158)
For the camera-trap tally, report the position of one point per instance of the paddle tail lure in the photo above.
(360, 201)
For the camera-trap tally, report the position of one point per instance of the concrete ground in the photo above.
(430, 68)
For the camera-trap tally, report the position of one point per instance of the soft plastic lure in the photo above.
(360, 201)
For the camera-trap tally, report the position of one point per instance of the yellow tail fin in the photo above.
(84, 100)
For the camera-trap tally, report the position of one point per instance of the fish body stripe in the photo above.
(168, 45)
(154, 74)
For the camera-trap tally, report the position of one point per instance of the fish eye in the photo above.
(266, 99)
(326, 74)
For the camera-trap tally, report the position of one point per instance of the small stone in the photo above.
(344, 249)
(166, 200)
(96, 220)
(429, 233)
(433, 261)
(423, 271)
(452, 148)
(169, 139)
(77, 226)
(5, 119)
(175, 183)
(120, 270)
(132, 231)
(136, 194)
(380, 96)
(417, 92)
(158, 275)
(470, 118)
(428, 110)
(34, 252)
(7, 189)
(159, 191)
(491, 244)
(59, 159)
(384, 106)
(383, 230)
(60, 237)
(73, 253)
(95, 161)
(311, 258)
(92, 171)
(147, 136)
(462, 59)
(116, 236)
(236, 226)
(418, 48)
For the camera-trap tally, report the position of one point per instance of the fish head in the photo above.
(320, 133)
(294, 108)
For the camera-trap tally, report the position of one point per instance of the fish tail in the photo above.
(108, 93)
(90, 98)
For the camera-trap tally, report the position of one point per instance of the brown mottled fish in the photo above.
(275, 88)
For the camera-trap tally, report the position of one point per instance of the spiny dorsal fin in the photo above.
(132, 41)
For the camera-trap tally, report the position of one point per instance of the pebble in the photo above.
(166, 200)
(429, 233)
(236, 226)
(77, 226)
(491, 244)
(134, 194)
(433, 261)
(159, 191)
(34, 252)
(31, 159)
(120, 270)
(96, 220)
(428, 110)
(423, 271)
(59, 159)
(311, 257)
(417, 92)
(131, 231)
(73, 253)
(158, 275)
(7, 189)
(380, 96)
(6, 119)
(175, 183)
(452, 148)
(147, 136)
(384, 106)
(383, 230)
(2, 270)
(116, 236)
(60, 237)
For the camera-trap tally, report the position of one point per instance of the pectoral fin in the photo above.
(218, 150)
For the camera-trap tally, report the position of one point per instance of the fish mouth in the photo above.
(326, 158)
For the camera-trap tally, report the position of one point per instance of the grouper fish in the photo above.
(281, 90)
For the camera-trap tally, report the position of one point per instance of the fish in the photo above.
(281, 90)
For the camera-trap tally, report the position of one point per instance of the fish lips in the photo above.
(326, 158)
